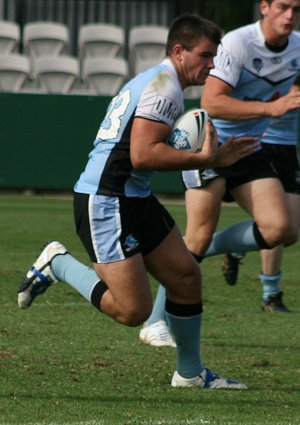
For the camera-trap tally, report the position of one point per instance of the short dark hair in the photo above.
(188, 28)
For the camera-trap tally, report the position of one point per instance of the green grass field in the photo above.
(62, 362)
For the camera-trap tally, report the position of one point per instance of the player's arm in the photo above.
(217, 100)
(149, 150)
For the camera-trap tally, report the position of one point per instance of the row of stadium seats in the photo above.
(61, 74)
(46, 66)
(99, 39)
(100, 66)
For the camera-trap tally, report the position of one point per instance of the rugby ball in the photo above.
(188, 132)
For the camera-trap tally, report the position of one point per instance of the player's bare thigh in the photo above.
(265, 201)
(203, 210)
(175, 268)
(128, 299)
(293, 202)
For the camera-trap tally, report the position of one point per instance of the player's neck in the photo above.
(273, 41)
(180, 73)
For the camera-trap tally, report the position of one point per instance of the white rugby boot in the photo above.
(157, 334)
(207, 379)
(40, 276)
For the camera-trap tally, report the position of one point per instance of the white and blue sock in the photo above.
(270, 284)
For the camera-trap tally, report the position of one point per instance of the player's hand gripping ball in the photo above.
(188, 132)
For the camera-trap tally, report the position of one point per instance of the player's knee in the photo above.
(280, 233)
(187, 286)
(289, 234)
(136, 316)
(292, 237)
(198, 243)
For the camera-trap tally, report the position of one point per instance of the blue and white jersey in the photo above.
(282, 130)
(156, 95)
(256, 73)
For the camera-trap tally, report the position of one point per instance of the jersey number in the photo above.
(111, 124)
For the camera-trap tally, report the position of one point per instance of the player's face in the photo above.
(197, 63)
(281, 17)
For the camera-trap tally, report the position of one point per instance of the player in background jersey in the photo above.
(255, 67)
(280, 145)
(123, 227)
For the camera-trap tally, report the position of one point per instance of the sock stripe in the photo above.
(198, 258)
(183, 310)
(259, 237)
(97, 293)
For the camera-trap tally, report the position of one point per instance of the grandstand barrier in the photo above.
(45, 141)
